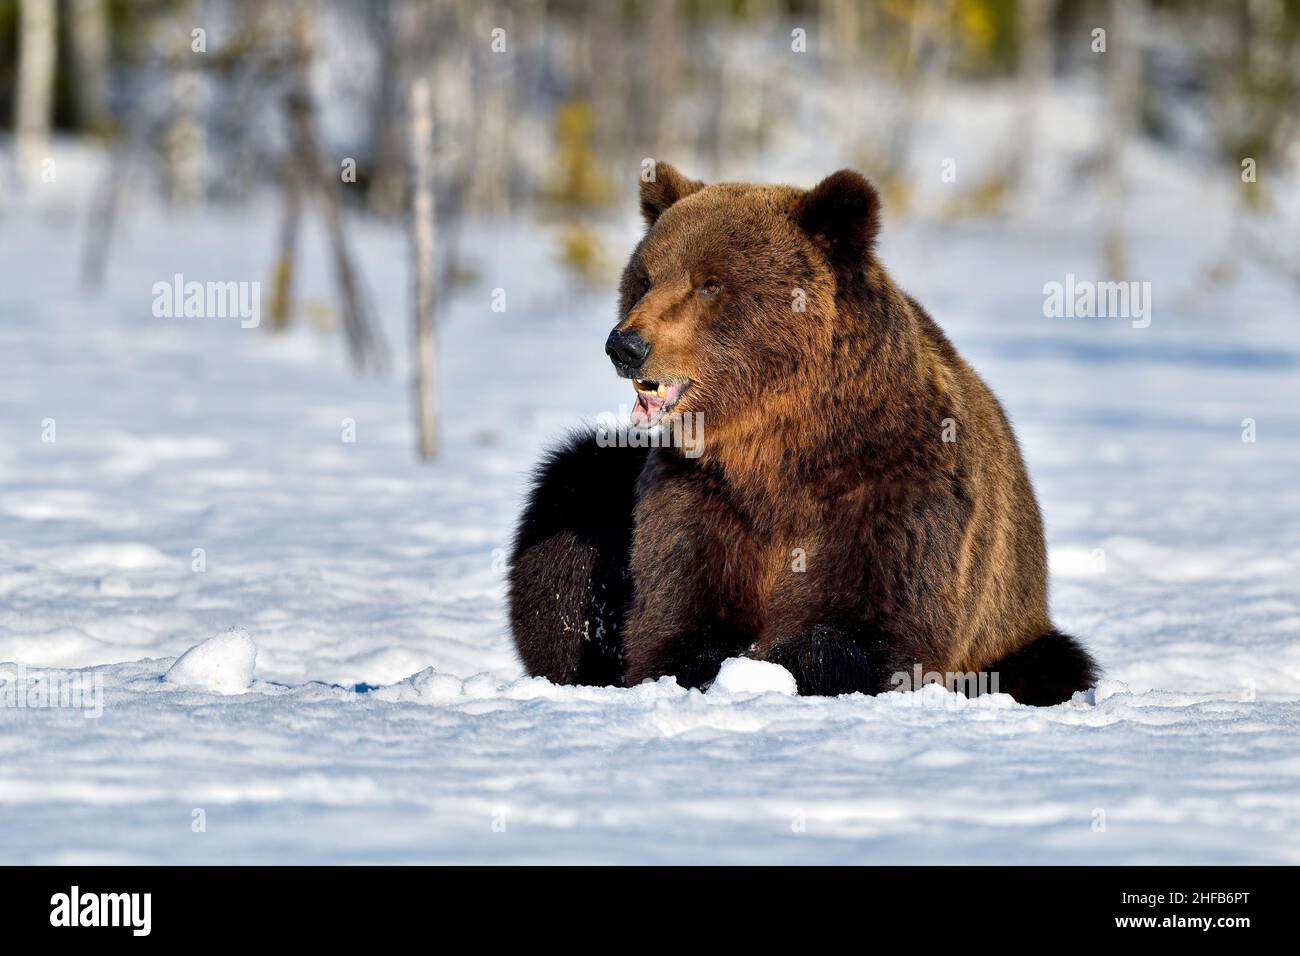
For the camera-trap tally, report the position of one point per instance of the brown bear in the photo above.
(857, 509)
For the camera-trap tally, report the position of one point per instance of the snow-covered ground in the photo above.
(201, 478)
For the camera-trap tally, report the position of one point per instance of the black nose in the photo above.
(627, 349)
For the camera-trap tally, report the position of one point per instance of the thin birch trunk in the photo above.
(663, 53)
(103, 219)
(421, 139)
(387, 185)
(35, 93)
(1123, 89)
(286, 264)
(187, 147)
(1034, 23)
(365, 345)
(91, 49)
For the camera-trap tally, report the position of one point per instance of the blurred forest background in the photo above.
(547, 109)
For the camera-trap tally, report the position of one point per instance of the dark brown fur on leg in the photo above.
(686, 625)
(569, 581)
(1048, 670)
(829, 661)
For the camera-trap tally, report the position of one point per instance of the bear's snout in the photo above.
(627, 350)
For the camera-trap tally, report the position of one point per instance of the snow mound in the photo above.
(742, 675)
(434, 688)
(222, 664)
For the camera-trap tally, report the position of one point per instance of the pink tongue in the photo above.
(644, 410)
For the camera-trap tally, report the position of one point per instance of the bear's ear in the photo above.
(842, 215)
(661, 186)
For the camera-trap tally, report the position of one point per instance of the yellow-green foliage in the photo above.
(1114, 255)
(986, 30)
(281, 282)
(895, 193)
(576, 179)
(1219, 273)
(987, 198)
(580, 253)
(577, 183)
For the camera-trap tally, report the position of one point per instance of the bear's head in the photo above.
(734, 298)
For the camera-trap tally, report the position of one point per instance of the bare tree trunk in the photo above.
(365, 344)
(604, 81)
(1034, 24)
(422, 266)
(663, 52)
(286, 264)
(841, 30)
(256, 23)
(103, 220)
(454, 69)
(741, 93)
(716, 134)
(35, 93)
(90, 43)
(1123, 90)
(930, 45)
(387, 182)
(185, 142)
(186, 139)
(489, 189)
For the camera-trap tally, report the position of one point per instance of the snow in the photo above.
(223, 664)
(525, 771)
(741, 675)
(201, 478)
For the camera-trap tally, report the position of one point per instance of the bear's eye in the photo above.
(642, 287)
(711, 287)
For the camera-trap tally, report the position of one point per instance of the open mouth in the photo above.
(654, 400)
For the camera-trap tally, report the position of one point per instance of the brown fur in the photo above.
(823, 431)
